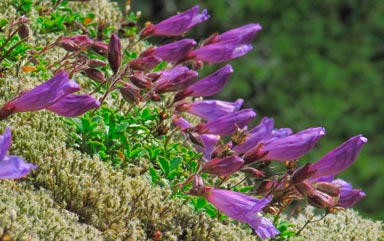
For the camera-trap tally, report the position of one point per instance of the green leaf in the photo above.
(164, 164)
(175, 162)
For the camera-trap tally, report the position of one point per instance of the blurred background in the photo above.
(315, 63)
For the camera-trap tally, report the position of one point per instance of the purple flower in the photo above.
(221, 51)
(74, 105)
(340, 158)
(175, 79)
(11, 166)
(227, 124)
(210, 110)
(286, 148)
(175, 51)
(223, 166)
(207, 86)
(176, 25)
(258, 133)
(348, 196)
(243, 208)
(207, 142)
(43, 95)
(244, 34)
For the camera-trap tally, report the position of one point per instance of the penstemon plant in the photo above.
(229, 164)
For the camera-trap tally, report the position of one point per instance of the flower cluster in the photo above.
(250, 149)
(228, 146)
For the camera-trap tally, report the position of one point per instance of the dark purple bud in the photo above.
(95, 75)
(114, 53)
(223, 166)
(220, 52)
(176, 25)
(175, 51)
(294, 146)
(74, 105)
(227, 124)
(94, 63)
(76, 42)
(100, 47)
(209, 85)
(258, 133)
(340, 158)
(23, 31)
(322, 200)
(210, 110)
(130, 93)
(145, 63)
(141, 81)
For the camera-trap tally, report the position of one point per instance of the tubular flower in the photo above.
(286, 148)
(223, 166)
(207, 86)
(210, 110)
(41, 96)
(176, 25)
(74, 105)
(244, 34)
(227, 124)
(173, 52)
(11, 167)
(221, 51)
(242, 208)
(340, 158)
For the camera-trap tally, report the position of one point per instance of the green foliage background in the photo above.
(315, 63)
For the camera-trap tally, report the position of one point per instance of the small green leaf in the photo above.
(175, 162)
(164, 164)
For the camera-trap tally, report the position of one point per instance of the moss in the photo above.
(30, 213)
(345, 225)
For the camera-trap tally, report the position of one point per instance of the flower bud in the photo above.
(114, 53)
(100, 48)
(95, 75)
(94, 63)
(141, 81)
(23, 31)
(223, 166)
(145, 63)
(130, 93)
